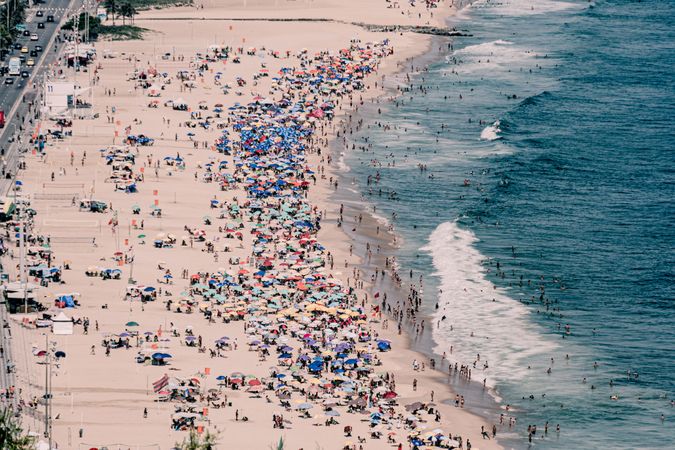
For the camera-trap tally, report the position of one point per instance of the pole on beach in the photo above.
(22, 262)
(47, 387)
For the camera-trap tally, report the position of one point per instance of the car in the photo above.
(34, 37)
(9, 80)
(33, 53)
(26, 32)
(39, 13)
(24, 49)
(30, 62)
(17, 46)
(50, 18)
(22, 58)
(41, 25)
(25, 74)
(38, 48)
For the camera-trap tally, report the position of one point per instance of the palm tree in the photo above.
(5, 37)
(124, 11)
(127, 10)
(130, 11)
(13, 13)
(12, 436)
(196, 442)
(111, 8)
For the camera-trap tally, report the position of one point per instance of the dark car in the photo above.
(26, 32)
(33, 53)
(17, 46)
(9, 80)
(39, 14)
(22, 58)
(25, 74)
(41, 25)
(38, 48)
(50, 18)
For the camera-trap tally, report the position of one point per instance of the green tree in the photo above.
(94, 25)
(12, 436)
(12, 13)
(6, 37)
(111, 9)
(127, 10)
(196, 442)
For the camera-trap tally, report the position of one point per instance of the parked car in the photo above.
(34, 37)
(9, 80)
(41, 25)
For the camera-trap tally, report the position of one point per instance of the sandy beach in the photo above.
(209, 249)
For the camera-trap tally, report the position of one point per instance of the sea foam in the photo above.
(479, 317)
(491, 133)
(521, 7)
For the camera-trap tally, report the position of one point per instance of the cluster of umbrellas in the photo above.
(298, 314)
(296, 311)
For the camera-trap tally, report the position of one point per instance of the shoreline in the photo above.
(484, 402)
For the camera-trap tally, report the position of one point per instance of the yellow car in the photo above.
(24, 49)
(30, 62)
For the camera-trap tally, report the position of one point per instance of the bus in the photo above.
(14, 66)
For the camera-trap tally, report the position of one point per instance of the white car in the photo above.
(34, 37)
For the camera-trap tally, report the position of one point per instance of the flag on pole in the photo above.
(160, 384)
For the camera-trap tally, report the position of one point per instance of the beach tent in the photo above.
(62, 324)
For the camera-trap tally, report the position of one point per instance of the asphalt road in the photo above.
(11, 95)
(18, 113)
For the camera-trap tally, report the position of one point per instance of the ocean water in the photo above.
(544, 223)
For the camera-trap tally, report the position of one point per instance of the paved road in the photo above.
(18, 114)
(11, 95)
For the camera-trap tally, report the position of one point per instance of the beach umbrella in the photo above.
(132, 324)
(414, 406)
(304, 406)
(141, 236)
(60, 354)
